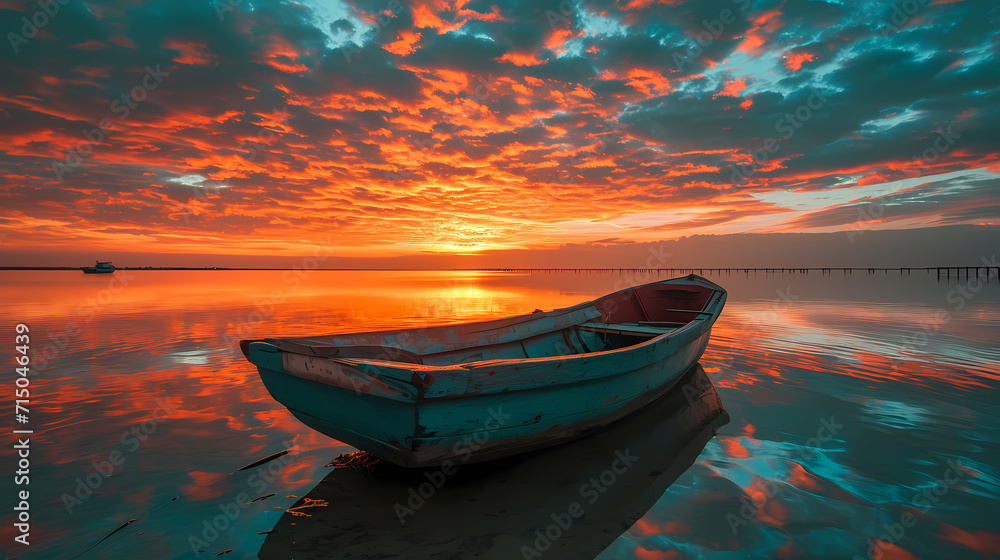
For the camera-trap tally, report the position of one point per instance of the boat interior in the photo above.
(586, 337)
(615, 321)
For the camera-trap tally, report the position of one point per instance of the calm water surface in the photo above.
(862, 407)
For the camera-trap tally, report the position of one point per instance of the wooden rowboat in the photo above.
(478, 391)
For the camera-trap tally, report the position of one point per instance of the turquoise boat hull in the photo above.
(480, 391)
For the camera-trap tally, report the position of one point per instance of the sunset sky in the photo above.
(384, 128)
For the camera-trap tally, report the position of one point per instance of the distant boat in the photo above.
(99, 268)
(479, 391)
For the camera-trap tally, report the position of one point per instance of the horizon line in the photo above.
(519, 269)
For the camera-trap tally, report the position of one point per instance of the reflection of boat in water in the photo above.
(569, 501)
(416, 397)
(99, 268)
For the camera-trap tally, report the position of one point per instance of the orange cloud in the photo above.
(648, 82)
(190, 52)
(405, 44)
(520, 59)
(732, 88)
(794, 61)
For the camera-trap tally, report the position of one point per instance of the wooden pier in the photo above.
(940, 271)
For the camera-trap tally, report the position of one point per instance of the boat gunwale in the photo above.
(410, 372)
(713, 314)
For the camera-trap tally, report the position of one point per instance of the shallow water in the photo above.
(862, 407)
